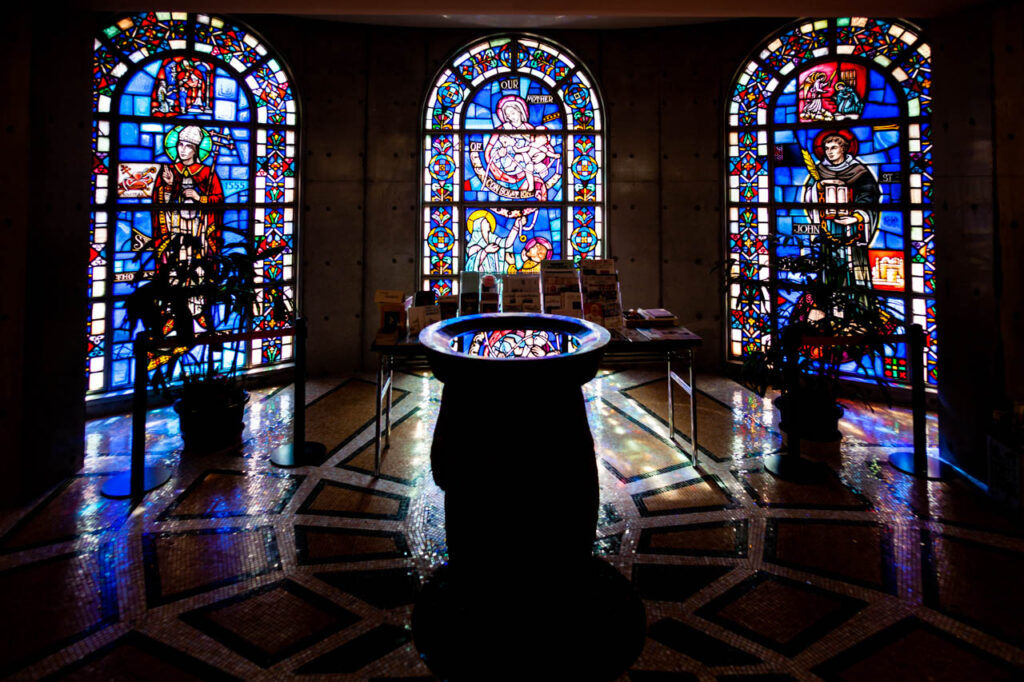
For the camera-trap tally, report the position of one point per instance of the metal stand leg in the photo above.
(385, 376)
(299, 452)
(918, 463)
(139, 479)
(691, 389)
(391, 391)
(693, 405)
(671, 403)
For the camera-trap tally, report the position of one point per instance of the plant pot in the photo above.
(209, 426)
(810, 416)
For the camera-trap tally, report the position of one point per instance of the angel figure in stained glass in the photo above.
(814, 90)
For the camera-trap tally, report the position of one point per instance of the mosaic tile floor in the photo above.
(238, 570)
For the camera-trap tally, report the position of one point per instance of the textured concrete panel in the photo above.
(631, 85)
(332, 275)
(963, 242)
(691, 247)
(392, 243)
(397, 79)
(1007, 46)
(633, 220)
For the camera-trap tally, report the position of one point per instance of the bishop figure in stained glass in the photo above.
(188, 182)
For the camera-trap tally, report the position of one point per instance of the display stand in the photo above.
(791, 466)
(918, 463)
(299, 452)
(140, 478)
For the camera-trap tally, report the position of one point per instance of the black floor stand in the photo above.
(153, 476)
(140, 478)
(299, 452)
(932, 470)
(918, 463)
(311, 454)
(791, 466)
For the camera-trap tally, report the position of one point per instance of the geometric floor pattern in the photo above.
(236, 569)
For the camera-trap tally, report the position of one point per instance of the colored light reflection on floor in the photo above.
(862, 575)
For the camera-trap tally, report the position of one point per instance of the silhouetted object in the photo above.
(522, 591)
(299, 452)
(140, 477)
(917, 462)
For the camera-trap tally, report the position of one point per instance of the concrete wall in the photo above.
(980, 288)
(362, 89)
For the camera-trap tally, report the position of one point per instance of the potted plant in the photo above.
(836, 302)
(200, 286)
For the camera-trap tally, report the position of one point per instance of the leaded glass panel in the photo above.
(829, 138)
(513, 161)
(196, 130)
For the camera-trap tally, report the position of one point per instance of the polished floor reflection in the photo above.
(240, 570)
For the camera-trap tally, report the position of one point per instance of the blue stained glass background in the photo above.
(144, 142)
(786, 110)
(880, 100)
(480, 112)
(879, 149)
(890, 231)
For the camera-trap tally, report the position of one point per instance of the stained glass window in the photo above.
(513, 159)
(829, 131)
(195, 128)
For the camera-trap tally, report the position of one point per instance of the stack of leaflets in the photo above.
(420, 316)
(599, 284)
(560, 285)
(668, 334)
(657, 317)
(521, 293)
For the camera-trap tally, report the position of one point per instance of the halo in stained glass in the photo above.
(163, 77)
(509, 162)
(831, 111)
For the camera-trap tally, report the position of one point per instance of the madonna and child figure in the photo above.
(519, 160)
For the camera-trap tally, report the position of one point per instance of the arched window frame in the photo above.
(582, 228)
(892, 47)
(125, 47)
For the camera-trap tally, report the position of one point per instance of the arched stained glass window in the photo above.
(829, 132)
(513, 161)
(194, 129)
